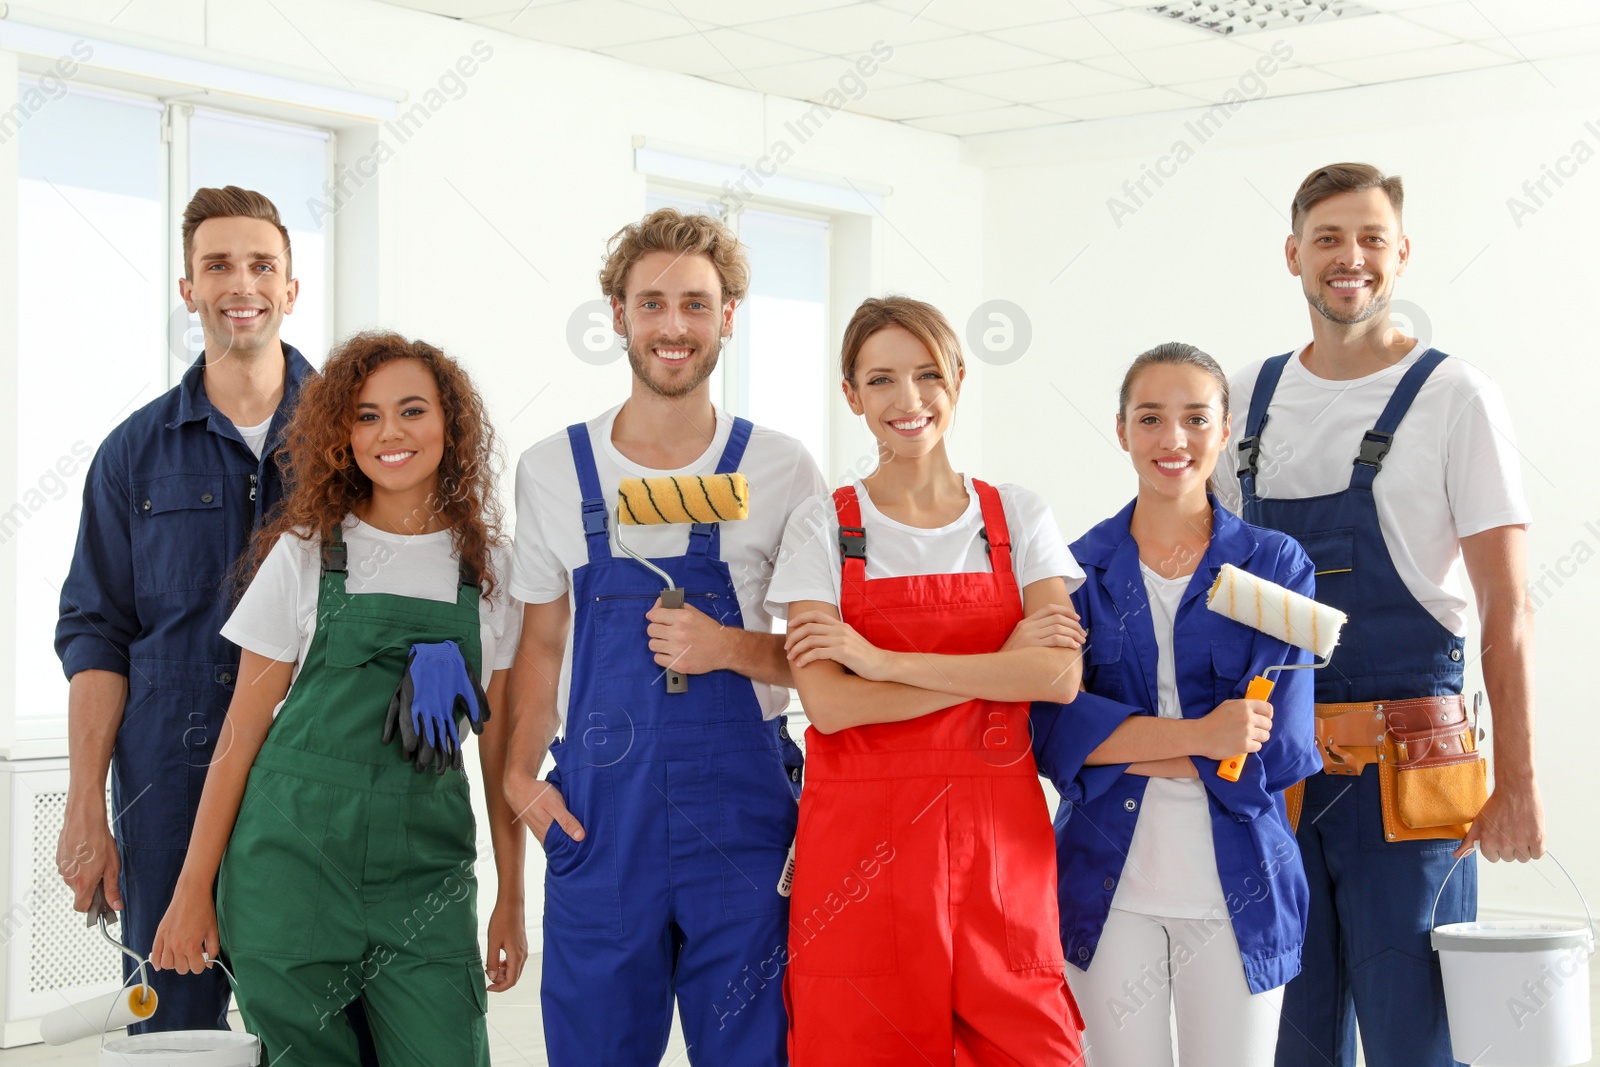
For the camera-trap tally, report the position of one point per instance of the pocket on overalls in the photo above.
(270, 884)
(1025, 873)
(842, 915)
(582, 890)
(759, 817)
(627, 669)
(442, 885)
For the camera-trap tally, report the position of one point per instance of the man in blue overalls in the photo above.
(668, 817)
(172, 497)
(1390, 461)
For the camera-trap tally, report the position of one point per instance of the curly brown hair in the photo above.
(325, 484)
(669, 230)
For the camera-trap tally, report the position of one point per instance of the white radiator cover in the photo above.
(50, 958)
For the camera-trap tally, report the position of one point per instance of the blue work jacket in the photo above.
(1258, 861)
(172, 497)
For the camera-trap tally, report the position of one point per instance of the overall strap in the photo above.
(1375, 442)
(996, 534)
(705, 538)
(594, 500)
(336, 561)
(1250, 445)
(852, 535)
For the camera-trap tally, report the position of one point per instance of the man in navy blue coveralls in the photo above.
(1390, 462)
(172, 498)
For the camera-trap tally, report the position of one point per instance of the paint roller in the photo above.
(113, 1011)
(677, 499)
(1282, 613)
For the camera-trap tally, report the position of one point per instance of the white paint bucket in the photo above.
(183, 1048)
(1516, 993)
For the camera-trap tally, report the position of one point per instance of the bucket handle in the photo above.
(1587, 914)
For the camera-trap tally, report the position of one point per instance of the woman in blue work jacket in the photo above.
(1179, 887)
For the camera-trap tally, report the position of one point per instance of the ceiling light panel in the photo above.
(1232, 18)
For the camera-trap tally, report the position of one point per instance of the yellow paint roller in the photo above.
(677, 499)
(1282, 613)
(683, 498)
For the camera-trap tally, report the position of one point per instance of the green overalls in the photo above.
(349, 874)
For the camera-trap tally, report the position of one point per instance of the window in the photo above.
(101, 329)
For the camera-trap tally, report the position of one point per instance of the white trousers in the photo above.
(1148, 965)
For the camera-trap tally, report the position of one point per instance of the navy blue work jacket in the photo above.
(1258, 861)
(172, 497)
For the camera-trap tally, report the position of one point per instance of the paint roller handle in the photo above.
(1260, 688)
(676, 682)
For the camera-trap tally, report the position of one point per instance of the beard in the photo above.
(1378, 303)
(701, 364)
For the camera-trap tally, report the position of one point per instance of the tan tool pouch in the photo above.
(1432, 779)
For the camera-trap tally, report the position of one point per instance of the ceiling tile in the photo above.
(468, 9)
(852, 29)
(710, 52)
(1113, 105)
(1287, 81)
(1015, 117)
(1219, 58)
(1509, 18)
(1548, 45)
(1074, 38)
(810, 79)
(1327, 41)
(983, 18)
(589, 24)
(1447, 60)
(1054, 82)
(968, 54)
(1132, 31)
(737, 12)
(921, 100)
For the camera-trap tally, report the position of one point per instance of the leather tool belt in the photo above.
(1432, 779)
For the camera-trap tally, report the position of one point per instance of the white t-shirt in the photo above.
(1453, 469)
(255, 436)
(550, 544)
(809, 568)
(1171, 868)
(277, 615)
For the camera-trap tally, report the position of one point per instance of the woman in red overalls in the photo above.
(926, 610)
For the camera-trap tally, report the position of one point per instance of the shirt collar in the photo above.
(1232, 539)
(195, 406)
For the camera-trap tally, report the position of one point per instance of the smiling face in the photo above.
(673, 320)
(1347, 255)
(239, 285)
(398, 438)
(901, 390)
(1173, 428)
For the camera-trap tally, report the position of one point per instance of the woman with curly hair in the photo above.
(336, 807)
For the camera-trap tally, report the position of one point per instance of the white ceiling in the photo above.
(983, 66)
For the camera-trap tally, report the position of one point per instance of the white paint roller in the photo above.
(94, 1017)
(1282, 613)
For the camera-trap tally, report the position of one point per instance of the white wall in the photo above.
(1201, 261)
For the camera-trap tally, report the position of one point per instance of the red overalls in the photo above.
(923, 925)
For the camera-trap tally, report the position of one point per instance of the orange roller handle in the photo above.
(1260, 688)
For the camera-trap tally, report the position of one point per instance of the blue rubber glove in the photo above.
(435, 688)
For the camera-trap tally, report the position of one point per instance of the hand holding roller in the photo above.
(677, 499)
(1282, 613)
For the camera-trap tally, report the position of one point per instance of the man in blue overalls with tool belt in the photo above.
(1390, 461)
(171, 499)
(669, 815)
